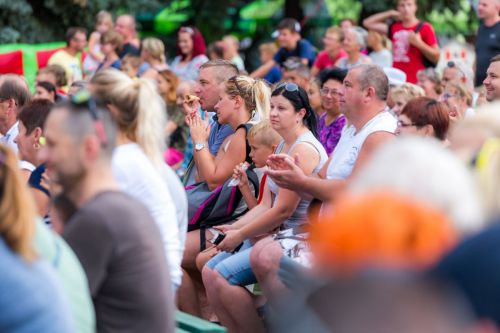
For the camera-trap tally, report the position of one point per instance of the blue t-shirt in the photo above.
(31, 297)
(304, 50)
(274, 75)
(218, 133)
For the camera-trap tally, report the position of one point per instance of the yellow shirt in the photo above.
(70, 64)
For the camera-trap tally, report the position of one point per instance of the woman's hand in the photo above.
(232, 240)
(198, 128)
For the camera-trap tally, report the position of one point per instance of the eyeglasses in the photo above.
(446, 96)
(326, 91)
(83, 99)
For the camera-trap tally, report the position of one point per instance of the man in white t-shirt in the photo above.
(14, 94)
(369, 125)
(363, 102)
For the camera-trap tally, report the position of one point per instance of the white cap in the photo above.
(396, 76)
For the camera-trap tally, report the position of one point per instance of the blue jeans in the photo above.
(235, 268)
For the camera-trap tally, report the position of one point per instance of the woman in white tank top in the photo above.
(225, 274)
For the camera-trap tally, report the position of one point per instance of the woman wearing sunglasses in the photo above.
(226, 274)
(191, 53)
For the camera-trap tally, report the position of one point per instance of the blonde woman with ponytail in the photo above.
(137, 160)
(242, 100)
(25, 282)
(153, 54)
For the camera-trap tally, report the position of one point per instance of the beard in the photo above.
(70, 180)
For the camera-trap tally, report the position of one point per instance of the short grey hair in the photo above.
(361, 35)
(373, 76)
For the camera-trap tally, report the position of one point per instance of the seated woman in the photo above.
(424, 116)
(459, 100)
(45, 90)
(242, 99)
(191, 53)
(402, 94)
(29, 141)
(226, 274)
(354, 42)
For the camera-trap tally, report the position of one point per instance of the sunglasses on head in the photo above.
(189, 30)
(84, 100)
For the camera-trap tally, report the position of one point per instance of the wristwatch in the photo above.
(199, 146)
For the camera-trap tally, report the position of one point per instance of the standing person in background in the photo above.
(30, 293)
(354, 43)
(291, 45)
(381, 56)
(76, 40)
(267, 51)
(332, 52)
(111, 44)
(153, 55)
(409, 48)
(487, 38)
(125, 26)
(104, 23)
(191, 53)
(231, 45)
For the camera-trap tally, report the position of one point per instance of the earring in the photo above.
(36, 145)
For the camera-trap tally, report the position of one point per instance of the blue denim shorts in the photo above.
(235, 268)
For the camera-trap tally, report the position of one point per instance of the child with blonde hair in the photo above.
(104, 23)
(263, 140)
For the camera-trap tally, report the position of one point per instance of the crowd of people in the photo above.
(354, 189)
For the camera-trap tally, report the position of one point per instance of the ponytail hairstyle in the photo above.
(155, 48)
(255, 93)
(297, 96)
(17, 208)
(140, 110)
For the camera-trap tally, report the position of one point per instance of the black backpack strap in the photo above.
(247, 127)
(419, 26)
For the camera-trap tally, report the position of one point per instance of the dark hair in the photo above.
(198, 42)
(15, 87)
(34, 114)
(495, 58)
(424, 111)
(71, 33)
(335, 73)
(64, 207)
(47, 86)
(299, 100)
(290, 24)
(216, 49)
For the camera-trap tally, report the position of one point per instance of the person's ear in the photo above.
(238, 101)
(429, 130)
(37, 132)
(302, 113)
(91, 148)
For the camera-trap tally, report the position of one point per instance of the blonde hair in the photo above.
(17, 209)
(268, 47)
(170, 76)
(255, 93)
(408, 91)
(461, 90)
(141, 110)
(155, 48)
(337, 31)
(104, 16)
(265, 134)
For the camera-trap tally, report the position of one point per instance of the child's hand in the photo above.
(239, 172)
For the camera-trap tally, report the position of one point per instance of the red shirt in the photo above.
(323, 60)
(405, 56)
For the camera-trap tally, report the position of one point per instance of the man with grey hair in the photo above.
(125, 26)
(14, 94)
(363, 102)
(112, 234)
